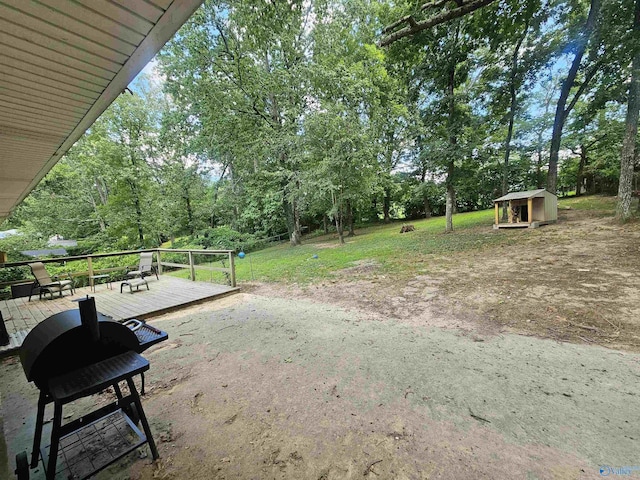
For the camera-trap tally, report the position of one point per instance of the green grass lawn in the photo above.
(595, 203)
(394, 253)
(383, 244)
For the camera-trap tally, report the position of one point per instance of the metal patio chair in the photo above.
(45, 284)
(145, 267)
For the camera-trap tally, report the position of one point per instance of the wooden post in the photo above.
(159, 262)
(191, 267)
(232, 266)
(497, 213)
(530, 209)
(90, 270)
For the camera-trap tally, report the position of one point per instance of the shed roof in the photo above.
(522, 195)
(62, 63)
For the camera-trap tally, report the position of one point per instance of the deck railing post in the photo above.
(159, 262)
(90, 270)
(232, 267)
(191, 267)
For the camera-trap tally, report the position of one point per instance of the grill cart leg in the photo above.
(116, 388)
(35, 453)
(143, 418)
(22, 466)
(129, 408)
(55, 440)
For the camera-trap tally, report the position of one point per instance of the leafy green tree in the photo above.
(250, 89)
(628, 155)
(581, 40)
(516, 49)
(341, 160)
(181, 171)
(129, 146)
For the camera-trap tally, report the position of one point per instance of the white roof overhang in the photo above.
(62, 63)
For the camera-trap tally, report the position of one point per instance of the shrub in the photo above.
(225, 238)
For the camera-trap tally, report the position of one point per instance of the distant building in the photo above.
(44, 252)
(8, 233)
(60, 241)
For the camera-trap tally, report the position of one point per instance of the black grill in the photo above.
(77, 353)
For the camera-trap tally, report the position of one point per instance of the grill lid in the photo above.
(61, 344)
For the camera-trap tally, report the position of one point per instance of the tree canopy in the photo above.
(277, 117)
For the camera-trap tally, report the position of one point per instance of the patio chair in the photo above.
(145, 267)
(45, 284)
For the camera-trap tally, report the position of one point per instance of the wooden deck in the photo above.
(164, 295)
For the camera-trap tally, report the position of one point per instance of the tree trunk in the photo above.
(102, 190)
(386, 205)
(453, 142)
(339, 228)
(139, 217)
(449, 207)
(293, 223)
(512, 115)
(290, 206)
(325, 224)
(189, 212)
(103, 225)
(425, 199)
(556, 137)
(291, 212)
(136, 204)
(539, 179)
(581, 165)
(297, 229)
(591, 184)
(623, 209)
(374, 210)
(339, 218)
(561, 111)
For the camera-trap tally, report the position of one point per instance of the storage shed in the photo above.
(527, 209)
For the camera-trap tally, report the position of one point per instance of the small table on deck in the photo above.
(93, 278)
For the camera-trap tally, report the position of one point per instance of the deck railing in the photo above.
(90, 272)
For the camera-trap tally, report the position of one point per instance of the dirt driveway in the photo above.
(255, 387)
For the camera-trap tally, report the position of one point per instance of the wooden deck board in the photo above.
(166, 294)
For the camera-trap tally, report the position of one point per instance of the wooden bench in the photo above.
(134, 282)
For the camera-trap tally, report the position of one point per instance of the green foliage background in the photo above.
(278, 118)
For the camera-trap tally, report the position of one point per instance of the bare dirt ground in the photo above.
(255, 387)
(435, 376)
